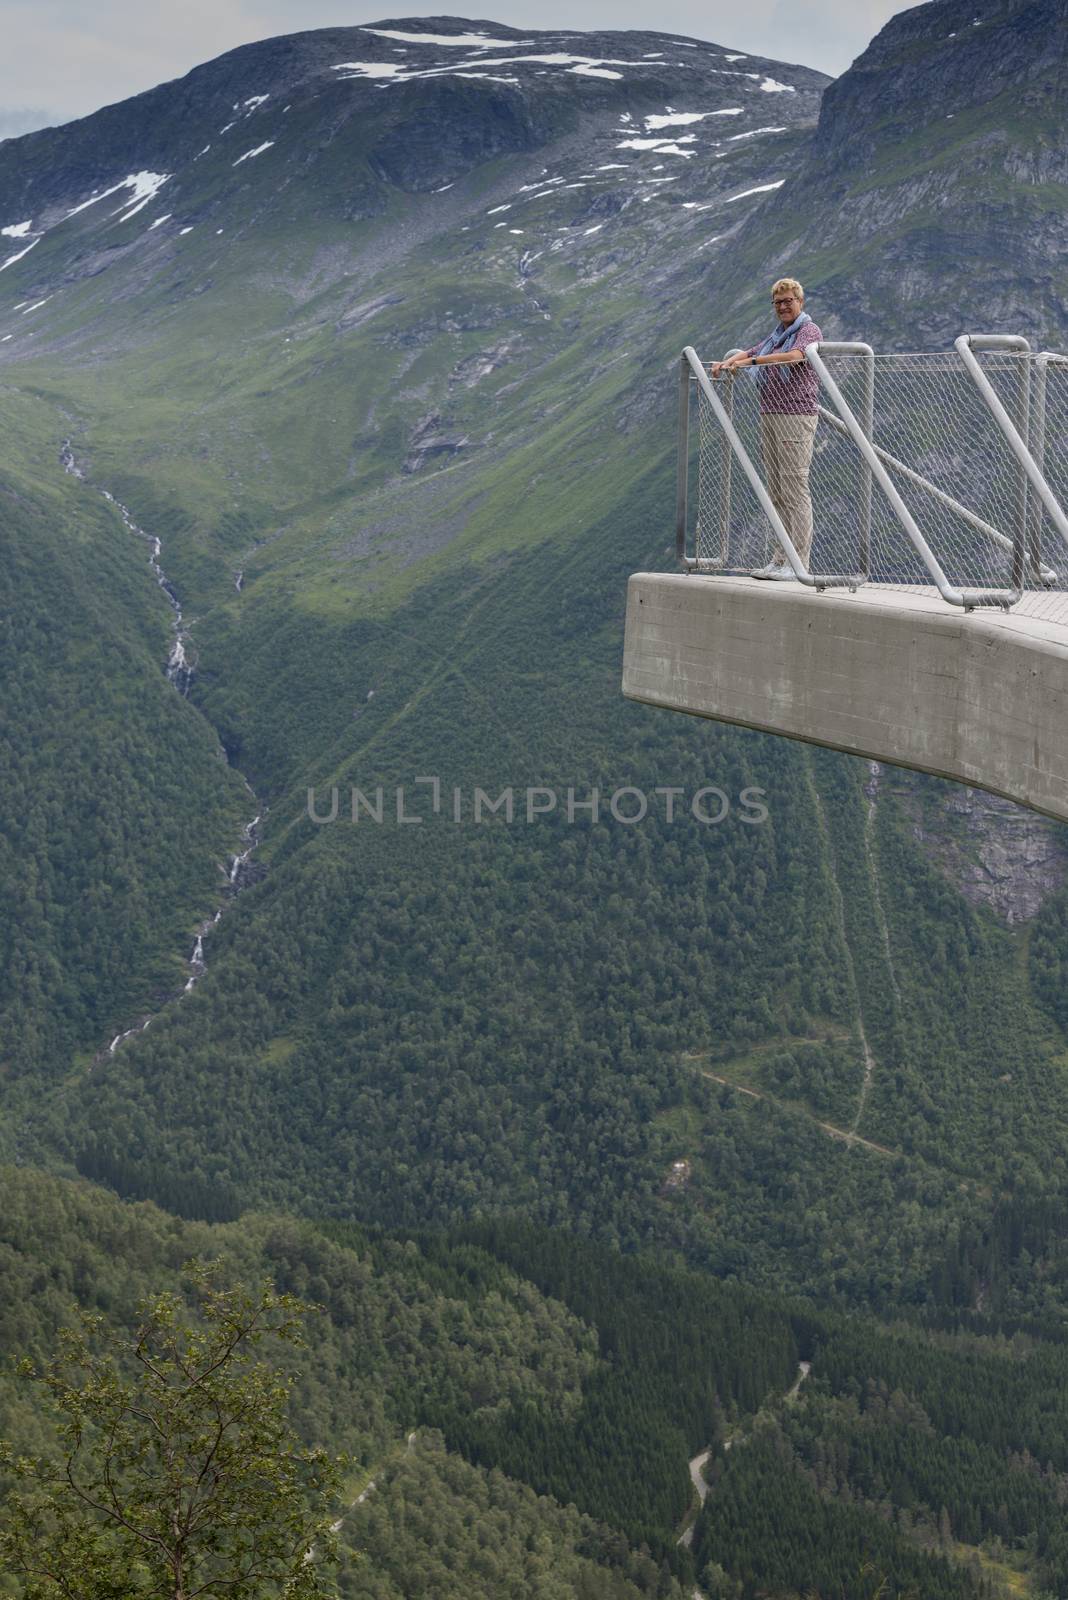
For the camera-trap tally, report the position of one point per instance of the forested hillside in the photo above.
(345, 369)
(520, 1408)
(118, 805)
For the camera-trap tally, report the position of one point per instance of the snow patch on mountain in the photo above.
(752, 134)
(663, 147)
(473, 41)
(17, 230)
(145, 186)
(10, 262)
(371, 69)
(761, 188)
(676, 119)
(403, 72)
(249, 155)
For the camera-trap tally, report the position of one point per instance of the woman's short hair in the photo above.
(787, 286)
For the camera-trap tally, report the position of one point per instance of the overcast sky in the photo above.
(64, 58)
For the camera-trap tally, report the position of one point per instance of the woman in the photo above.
(789, 406)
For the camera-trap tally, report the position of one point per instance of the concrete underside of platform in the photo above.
(899, 676)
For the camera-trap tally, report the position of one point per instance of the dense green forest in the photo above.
(431, 1022)
(521, 1407)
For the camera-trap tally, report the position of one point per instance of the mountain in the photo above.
(932, 198)
(336, 384)
(376, 333)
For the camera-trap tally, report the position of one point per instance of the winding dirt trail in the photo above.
(843, 1135)
(697, 1464)
(840, 921)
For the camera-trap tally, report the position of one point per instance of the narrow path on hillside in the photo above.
(840, 920)
(179, 669)
(843, 1135)
(871, 790)
(697, 1464)
(370, 1486)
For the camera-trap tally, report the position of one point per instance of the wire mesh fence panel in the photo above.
(952, 467)
(733, 531)
(944, 453)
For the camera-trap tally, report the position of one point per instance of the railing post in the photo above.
(1023, 424)
(850, 347)
(682, 479)
(727, 467)
(1016, 444)
(1037, 444)
(868, 423)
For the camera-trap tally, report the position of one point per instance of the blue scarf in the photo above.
(781, 339)
(784, 338)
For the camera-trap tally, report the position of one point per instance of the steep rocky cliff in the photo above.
(934, 195)
(997, 854)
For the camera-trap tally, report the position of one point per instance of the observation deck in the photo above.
(930, 627)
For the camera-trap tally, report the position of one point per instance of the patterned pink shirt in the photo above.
(791, 391)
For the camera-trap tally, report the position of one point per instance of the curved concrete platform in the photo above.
(890, 673)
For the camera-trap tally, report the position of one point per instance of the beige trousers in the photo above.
(786, 442)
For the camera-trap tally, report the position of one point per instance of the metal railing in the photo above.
(933, 470)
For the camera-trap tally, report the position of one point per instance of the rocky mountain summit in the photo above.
(407, 123)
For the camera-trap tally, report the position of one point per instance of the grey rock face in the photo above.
(454, 128)
(936, 62)
(428, 440)
(995, 852)
(932, 198)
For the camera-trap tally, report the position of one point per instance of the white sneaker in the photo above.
(774, 569)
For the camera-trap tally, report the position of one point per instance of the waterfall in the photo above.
(179, 670)
(237, 863)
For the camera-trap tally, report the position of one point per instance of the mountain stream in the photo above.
(180, 668)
